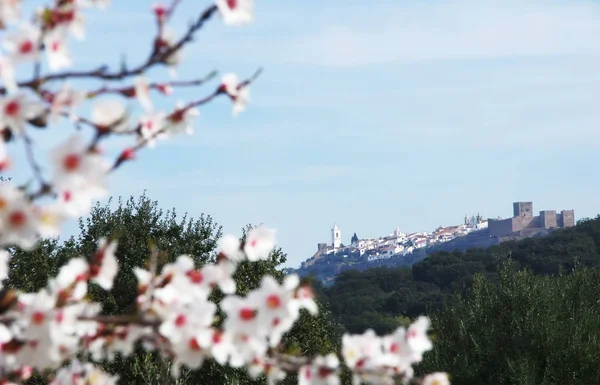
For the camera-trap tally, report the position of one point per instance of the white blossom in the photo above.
(105, 265)
(10, 11)
(16, 110)
(4, 260)
(236, 12)
(142, 92)
(7, 75)
(57, 51)
(240, 95)
(436, 379)
(23, 45)
(259, 243)
(152, 128)
(180, 121)
(111, 115)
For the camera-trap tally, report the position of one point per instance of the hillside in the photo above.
(493, 323)
(378, 297)
(327, 267)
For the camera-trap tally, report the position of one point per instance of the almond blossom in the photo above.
(104, 264)
(231, 247)
(5, 161)
(363, 350)
(236, 12)
(18, 222)
(273, 373)
(56, 49)
(49, 220)
(219, 342)
(142, 92)
(7, 74)
(73, 162)
(323, 371)
(152, 128)
(70, 284)
(4, 260)
(180, 121)
(436, 379)
(242, 316)
(71, 20)
(24, 44)
(174, 58)
(273, 302)
(100, 4)
(78, 373)
(16, 110)
(259, 243)
(76, 198)
(79, 176)
(183, 322)
(65, 101)
(305, 299)
(220, 275)
(416, 336)
(110, 115)
(10, 11)
(240, 95)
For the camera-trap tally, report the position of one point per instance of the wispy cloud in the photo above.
(435, 30)
(453, 30)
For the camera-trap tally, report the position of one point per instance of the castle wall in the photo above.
(568, 218)
(548, 219)
(525, 222)
(505, 227)
(500, 228)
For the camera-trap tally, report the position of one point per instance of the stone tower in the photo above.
(336, 237)
(522, 209)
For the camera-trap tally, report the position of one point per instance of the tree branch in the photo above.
(102, 72)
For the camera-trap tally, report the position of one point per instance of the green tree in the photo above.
(136, 223)
(523, 329)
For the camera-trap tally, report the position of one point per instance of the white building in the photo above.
(336, 237)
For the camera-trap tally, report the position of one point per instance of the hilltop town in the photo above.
(398, 246)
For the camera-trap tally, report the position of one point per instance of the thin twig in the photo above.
(37, 170)
(154, 86)
(144, 142)
(102, 72)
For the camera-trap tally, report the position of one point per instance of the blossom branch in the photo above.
(159, 55)
(176, 314)
(178, 116)
(160, 86)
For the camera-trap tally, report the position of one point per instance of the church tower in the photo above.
(336, 237)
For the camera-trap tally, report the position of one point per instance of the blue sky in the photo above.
(373, 114)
